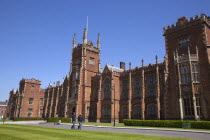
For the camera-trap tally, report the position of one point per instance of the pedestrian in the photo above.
(59, 121)
(45, 118)
(80, 120)
(73, 119)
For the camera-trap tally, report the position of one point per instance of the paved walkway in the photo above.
(202, 135)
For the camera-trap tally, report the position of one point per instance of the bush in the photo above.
(63, 120)
(167, 123)
(200, 124)
(27, 119)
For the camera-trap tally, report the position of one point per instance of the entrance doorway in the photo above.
(73, 110)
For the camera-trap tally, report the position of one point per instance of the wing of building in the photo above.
(3, 109)
(178, 88)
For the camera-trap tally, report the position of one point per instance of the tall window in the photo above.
(125, 89)
(73, 91)
(151, 111)
(188, 107)
(30, 112)
(40, 112)
(77, 75)
(107, 110)
(137, 88)
(184, 43)
(125, 84)
(96, 93)
(32, 88)
(195, 72)
(136, 111)
(137, 93)
(107, 89)
(137, 83)
(199, 107)
(41, 101)
(76, 91)
(125, 94)
(92, 60)
(95, 111)
(185, 74)
(151, 88)
(30, 101)
(124, 111)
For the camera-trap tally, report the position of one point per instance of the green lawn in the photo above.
(6, 120)
(24, 132)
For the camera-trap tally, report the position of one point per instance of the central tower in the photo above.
(85, 63)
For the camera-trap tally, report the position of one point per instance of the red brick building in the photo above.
(27, 101)
(177, 88)
(3, 109)
(187, 60)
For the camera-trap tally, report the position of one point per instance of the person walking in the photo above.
(80, 120)
(73, 119)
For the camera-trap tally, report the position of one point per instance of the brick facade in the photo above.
(177, 88)
(27, 101)
(3, 109)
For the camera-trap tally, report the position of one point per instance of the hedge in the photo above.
(26, 119)
(167, 123)
(63, 120)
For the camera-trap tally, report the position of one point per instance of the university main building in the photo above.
(178, 88)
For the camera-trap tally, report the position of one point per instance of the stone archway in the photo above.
(72, 107)
(73, 110)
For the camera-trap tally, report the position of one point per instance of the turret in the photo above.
(74, 41)
(156, 57)
(142, 63)
(85, 36)
(98, 42)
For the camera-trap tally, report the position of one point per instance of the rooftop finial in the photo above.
(156, 57)
(74, 41)
(98, 42)
(142, 61)
(87, 24)
(85, 33)
(130, 65)
(85, 36)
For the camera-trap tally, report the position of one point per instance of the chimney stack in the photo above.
(122, 65)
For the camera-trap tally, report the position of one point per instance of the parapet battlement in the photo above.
(89, 46)
(183, 22)
(32, 80)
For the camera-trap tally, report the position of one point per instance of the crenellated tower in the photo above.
(85, 63)
(187, 58)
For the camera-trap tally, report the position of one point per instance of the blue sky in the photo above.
(36, 35)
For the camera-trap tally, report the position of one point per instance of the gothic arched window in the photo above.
(124, 111)
(136, 111)
(151, 88)
(107, 89)
(106, 110)
(152, 111)
(125, 89)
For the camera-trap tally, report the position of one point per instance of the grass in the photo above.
(5, 120)
(122, 125)
(25, 132)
